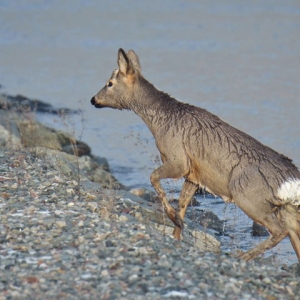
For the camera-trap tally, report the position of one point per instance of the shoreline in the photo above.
(69, 230)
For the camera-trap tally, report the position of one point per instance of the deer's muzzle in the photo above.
(93, 102)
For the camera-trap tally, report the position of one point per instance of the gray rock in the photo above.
(106, 179)
(83, 168)
(34, 134)
(9, 132)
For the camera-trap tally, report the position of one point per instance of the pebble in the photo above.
(61, 224)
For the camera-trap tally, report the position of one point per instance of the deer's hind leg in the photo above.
(261, 211)
(268, 244)
(291, 217)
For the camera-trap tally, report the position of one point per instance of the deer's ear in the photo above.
(134, 59)
(125, 65)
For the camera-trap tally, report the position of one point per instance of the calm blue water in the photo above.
(238, 59)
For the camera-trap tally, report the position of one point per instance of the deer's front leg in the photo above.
(167, 170)
(187, 192)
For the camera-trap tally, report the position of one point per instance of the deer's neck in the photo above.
(153, 106)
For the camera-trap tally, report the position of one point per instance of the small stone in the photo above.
(80, 223)
(61, 224)
(143, 193)
(59, 212)
(15, 294)
(109, 243)
(90, 197)
(290, 291)
(104, 213)
(140, 192)
(104, 273)
(139, 216)
(70, 192)
(14, 186)
(92, 206)
(133, 278)
(48, 223)
(267, 280)
(123, 218)
(89, 235)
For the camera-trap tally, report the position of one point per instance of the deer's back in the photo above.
(215, 151)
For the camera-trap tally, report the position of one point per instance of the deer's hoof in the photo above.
(176, 233)
(178, 221)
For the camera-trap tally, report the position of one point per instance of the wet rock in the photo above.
(193, 202)
(23, 104)
(101, 162)
(207, 219)
(258, 230)
(144, 193)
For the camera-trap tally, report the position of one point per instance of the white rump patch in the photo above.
(289, 191)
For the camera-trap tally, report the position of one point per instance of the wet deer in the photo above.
(209, 153)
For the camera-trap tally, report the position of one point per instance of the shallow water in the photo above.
(239, 60)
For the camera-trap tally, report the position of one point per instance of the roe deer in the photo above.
(211, 154)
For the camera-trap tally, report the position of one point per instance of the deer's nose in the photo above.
(93, 102)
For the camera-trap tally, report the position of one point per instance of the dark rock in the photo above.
(21, 103)
(101, 161)
(294, 269)
(78, 149)
(207, 219)
(202, 192)
(193, 202)
(258, 230)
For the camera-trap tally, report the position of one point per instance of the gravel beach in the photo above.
(63, 236)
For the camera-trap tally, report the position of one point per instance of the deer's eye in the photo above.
(109, 84)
